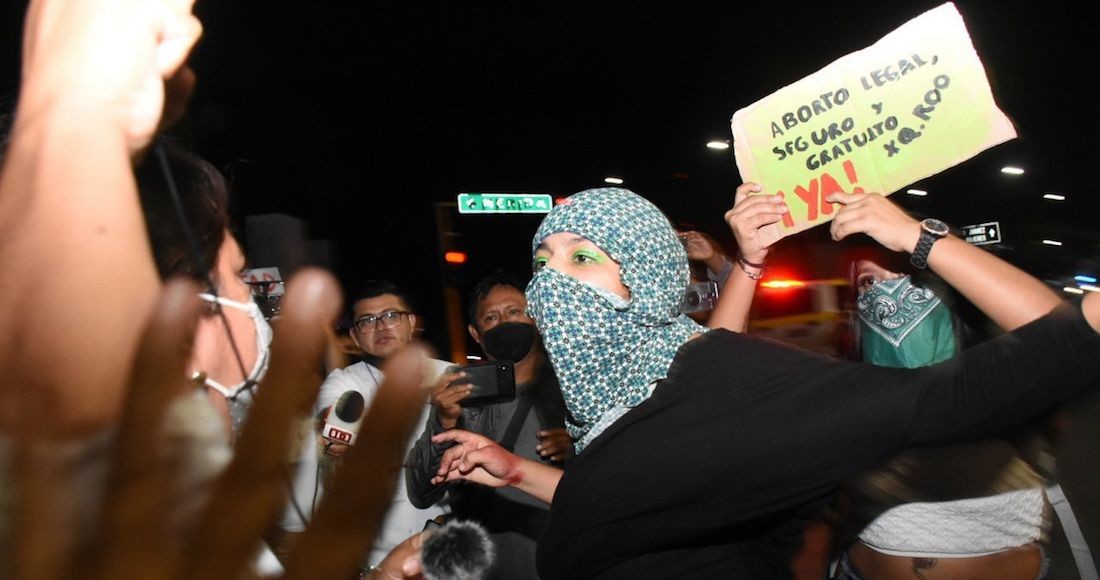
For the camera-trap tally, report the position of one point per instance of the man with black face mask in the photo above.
(532, 425)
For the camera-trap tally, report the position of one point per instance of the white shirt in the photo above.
(403, 519)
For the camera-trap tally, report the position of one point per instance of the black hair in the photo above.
(376, 288)
(484, 287)
(204, 197)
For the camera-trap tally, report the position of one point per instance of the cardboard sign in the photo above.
(911, 105)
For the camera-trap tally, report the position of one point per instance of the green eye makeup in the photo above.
(588, 256)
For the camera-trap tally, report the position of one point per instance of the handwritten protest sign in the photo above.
(911, 105)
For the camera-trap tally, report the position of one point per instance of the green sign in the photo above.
(504, 203)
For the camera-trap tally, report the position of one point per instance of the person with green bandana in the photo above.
(702, 453)
(974, 510)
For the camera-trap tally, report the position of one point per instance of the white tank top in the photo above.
(961, 528)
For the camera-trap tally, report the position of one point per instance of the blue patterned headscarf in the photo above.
(607, 351)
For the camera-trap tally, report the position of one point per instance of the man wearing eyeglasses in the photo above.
(381, 325)
(383, 321)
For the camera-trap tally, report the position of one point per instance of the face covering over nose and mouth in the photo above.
(239, 396)
(904, 325)
(509, 341)
(607, 351)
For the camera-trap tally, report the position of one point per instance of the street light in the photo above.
(718, 145)
(613, 180)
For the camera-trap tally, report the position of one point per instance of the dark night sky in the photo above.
(357, 116)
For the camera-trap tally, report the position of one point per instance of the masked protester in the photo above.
(532, 425)
(238, 396)
(706, 452)
(232, 339)
(993, 514)
(198, 427)
(904, 325)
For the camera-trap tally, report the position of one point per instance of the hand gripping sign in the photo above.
(911, 105)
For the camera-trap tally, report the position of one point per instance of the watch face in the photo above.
(935, 227)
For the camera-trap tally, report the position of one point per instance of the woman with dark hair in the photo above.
(971, 511)
(188, 229)
(203, 198)
(702, 453)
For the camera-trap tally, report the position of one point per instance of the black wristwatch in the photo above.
(931, 230)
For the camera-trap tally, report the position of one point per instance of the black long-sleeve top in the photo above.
(713, 475)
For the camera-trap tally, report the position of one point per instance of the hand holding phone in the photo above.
(447, 396)
(490, 382)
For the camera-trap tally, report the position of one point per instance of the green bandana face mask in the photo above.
(904, 325)
(607, 351)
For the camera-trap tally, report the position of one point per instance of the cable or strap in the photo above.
(1086, 567)
(196, 253)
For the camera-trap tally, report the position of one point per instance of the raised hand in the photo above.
(876, 216)
(346, 523)
(748, 215)
(109, 58)
(698, 247)
(249, 495)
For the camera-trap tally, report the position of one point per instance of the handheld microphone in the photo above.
(342, 423)
(460, 550)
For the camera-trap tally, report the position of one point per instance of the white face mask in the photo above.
(239, 396)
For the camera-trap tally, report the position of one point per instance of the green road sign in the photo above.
(504, 203)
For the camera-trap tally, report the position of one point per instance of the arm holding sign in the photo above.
(978, 275)
(749, 214)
